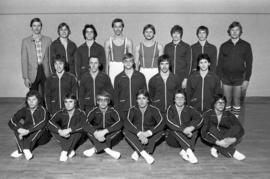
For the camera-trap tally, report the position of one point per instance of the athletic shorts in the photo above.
(114, 69)
(148, 73)
(231, 80)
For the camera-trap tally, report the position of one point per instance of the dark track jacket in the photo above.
(58, 48)
(235, 60)
(125, 89)
(228, 121)
(56, 89)
(32, 122)
(189, 117)
(201, 91)
(61, 120)
(209, 49)
(180, 58)
(151, 120)
(82, 58)
(89, 88)
(162, 94)
(97, 120)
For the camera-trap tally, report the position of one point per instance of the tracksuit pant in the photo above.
(219, 135)
(110, 140)
(68, 144)
(179, 139)
(31, 141)
(136, 144)
(40, 80)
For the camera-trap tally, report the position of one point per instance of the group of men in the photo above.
(173, 85)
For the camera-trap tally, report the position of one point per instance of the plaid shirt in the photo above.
(38, 50)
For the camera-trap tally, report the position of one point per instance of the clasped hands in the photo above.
(188, 131)
(143, 136)
(64, 132)
(226, 142)
(100, 134)
(22, 132)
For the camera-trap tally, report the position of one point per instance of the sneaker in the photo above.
(184, 155)
(71, 154)
(148, 158)
(63, 156)
(89, 152)
(238, 156)
(114, 154)
(135, 156)
(16, 154)
(28, 154)
(192, 158)
(214, 152)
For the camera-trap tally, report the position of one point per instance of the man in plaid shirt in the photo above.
(35, 57)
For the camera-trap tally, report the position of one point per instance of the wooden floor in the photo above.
(255, 145)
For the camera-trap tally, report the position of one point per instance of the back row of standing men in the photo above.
(234, 65)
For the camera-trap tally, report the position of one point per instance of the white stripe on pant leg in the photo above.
(159, 137)
(35, 135)
(18, 144)
(115, 134)
(213, 135)
(182, 139)
(132, 143)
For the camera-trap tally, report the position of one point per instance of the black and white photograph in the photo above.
(134, 89)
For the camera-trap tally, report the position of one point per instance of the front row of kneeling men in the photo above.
(143, 129)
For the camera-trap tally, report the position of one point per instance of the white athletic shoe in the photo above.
(238, 156)
(214, 152)
(16, 154)
(63, 156)
(192, 158)
(114, 154)
(148, 158)
(184, 155)
(71, 154)
(89, 152)
(135, 156)
(28, 154)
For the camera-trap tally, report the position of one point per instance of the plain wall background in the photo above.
(15, 16)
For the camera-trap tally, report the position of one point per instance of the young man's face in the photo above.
(69, 104)
(149, 34)
(63, 32)
(202, 35)
(118, 28)
(59, 66)
(176, 36)
(235, 32)
(204, 64)
(164, 66)
(220, 105)
(103, 102)
(89, 34)
(94, 64)
(179, 100)
(128, 63)
(36, 28)
(32, 102)
(142, 101)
